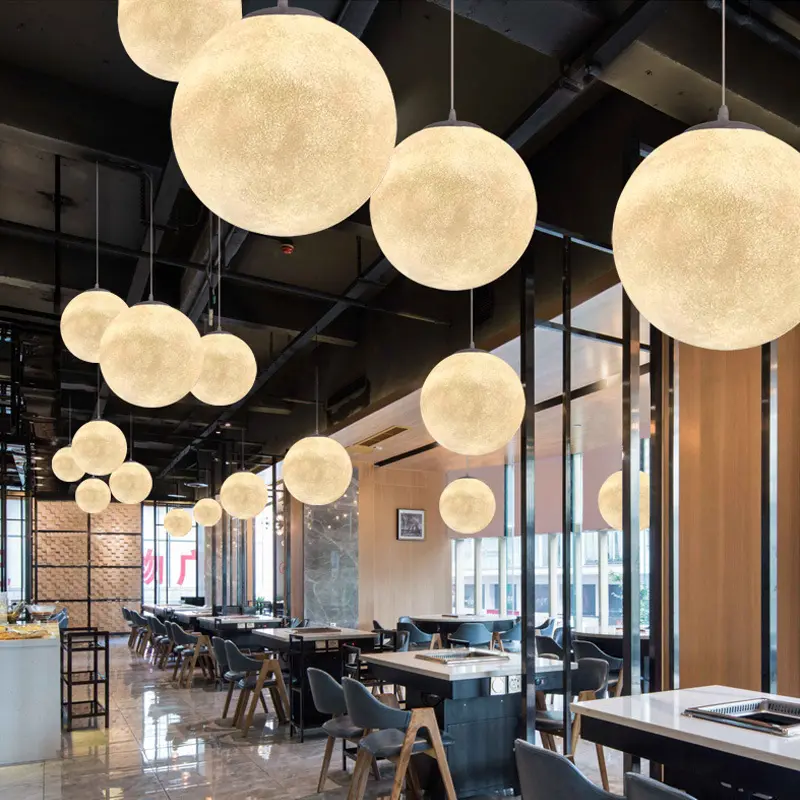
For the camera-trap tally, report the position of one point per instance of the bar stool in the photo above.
(328, 698)
(257, 675)
(396, 736)
(471, 634)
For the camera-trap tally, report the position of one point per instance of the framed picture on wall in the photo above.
(410, 524)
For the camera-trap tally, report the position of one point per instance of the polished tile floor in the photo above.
(167, 743)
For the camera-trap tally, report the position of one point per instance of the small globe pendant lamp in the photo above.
(229, 366)
(609, 501)
(207, 512)
(472, 402)
(87, 315)
(132, 482)
(178, 522)
(243, 495)
(92, 496)
(467, 505)
(63, 464)
(162, 36)
(706, 234)
(150, 354)
(457, 207)
(317, 470)
(99, 446)
(284, 123)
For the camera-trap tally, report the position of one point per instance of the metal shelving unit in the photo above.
(90, 645)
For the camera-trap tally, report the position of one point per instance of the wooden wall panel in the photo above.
(397, 578)
(789, 514)
(720, 523)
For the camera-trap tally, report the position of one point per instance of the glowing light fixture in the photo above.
(609, 501)
(317, 470)
(150, 354)
(284, 123)
(207, 512)
(99, 447)
(178, 522)
(92, 496)
(472, 402)
(243, 495)
(457, 207)
(229, 366)
(706, 236)
(467, 505)
(87, 315)
(162, 36)
(131, 483)
(64, 466)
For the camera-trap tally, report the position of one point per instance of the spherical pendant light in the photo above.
(64, 466)
(229, 369)
(99, 447)
(609, 501)
(151, 355)
(162, 36)
(85, 319)
(284, 123)
(707, 237)
(243, 495)
(92, 496)
(131, 483)
(467, 505)
(456, 209)
(472, 403)
(317, 470)
(178, 522)
(207, 512)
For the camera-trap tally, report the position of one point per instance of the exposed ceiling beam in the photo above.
(355, 15)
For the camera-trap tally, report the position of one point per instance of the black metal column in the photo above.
(673, 543)
(769, 517)
(566, 488)
(527, 339)
(276, 553)
(3, 515)
(631, 575)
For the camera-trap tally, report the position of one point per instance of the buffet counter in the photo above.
(30, 693)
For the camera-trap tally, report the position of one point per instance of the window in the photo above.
(16, 512)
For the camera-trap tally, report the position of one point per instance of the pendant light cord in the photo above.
(452, 61)
(97, 407)
(723, 110)
(471, 320)
(96, 225)
(210, 271)
(69, 420)
(316, 397)
(219, 273)
(130, 442)
(242, 448)
(152, 237)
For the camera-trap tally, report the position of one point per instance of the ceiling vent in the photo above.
(377, 438)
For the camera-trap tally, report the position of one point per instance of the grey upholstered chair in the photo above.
(471, 634)
(638, 787)
(393, 731)
(545, 775)
(511, 639)
(591, 650)
(417, 639)
(329, 698)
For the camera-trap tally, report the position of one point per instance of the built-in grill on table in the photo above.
(777, 717)
(459, 656)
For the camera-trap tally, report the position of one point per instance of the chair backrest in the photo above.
(367, 711)
(376, 626)
(181, 637)
(221, 657)
(327, 692)
(416, 636)
(351, 661)
(151, 623)
(475, 634)
(126, 615)
(591, 676)
(238, 661)
(558, 636)
(514, 633)
(401, 641)
(638, 787)
(545, 625)
(547, 646)
(584, 649)
(159, 627)
(545, 775)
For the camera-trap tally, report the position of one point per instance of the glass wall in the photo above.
(170, 566)
(16, 511)
(268, 547)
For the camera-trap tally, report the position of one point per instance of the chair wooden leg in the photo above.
(436, 642)
(401, 765)
(618, 687)
(263, 702)
(601, 762)
(240, 706)
(282, 707)
(326, 762)
(412, 780)
(441, 757)
(358, 782)
(228, 700)
(178, 662)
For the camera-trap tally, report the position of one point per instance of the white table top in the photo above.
(461, 618)
(342, 633)
(661, 713)
(408, 662)
(234, 618)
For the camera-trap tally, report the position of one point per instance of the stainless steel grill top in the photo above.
(458, 656)
(776, 717)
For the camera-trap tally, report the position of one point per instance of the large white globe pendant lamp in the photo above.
(131, 483)
(64, 466)
(457, 207)
(243, 495)
(472, 402)
(178, 522)
(467, 505)
(162, 36)
(706, 235)
(207, 512)
(609, 501)
(86, 316)
(317, 470)
(92, 496)
(99, 447)
(284, 123)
